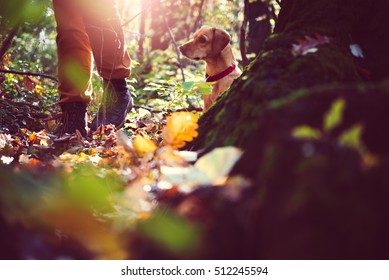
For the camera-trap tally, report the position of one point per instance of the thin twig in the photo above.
(142, 27)
(134, 17)
(190, 108)
(19, 103)
(176, 48)
(144, 107)
(199, 16)
(29, 74)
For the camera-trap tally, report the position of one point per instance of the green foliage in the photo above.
(15, 12)
(32, 50)
(162, 87)
(171, 232)
(86, 190)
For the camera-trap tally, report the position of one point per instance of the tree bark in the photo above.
(242, 37)
(198, 20)
(258, 16)
(142, 26)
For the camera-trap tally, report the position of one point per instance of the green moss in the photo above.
(219, 115)
(288, 99)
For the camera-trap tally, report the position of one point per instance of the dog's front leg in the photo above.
(209, 99)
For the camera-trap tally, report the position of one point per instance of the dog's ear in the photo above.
(220, 40)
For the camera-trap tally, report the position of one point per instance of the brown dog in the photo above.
(212, 45)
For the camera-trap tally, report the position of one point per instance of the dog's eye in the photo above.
(202, 39)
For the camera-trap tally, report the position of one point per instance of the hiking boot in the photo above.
(73, 118)
(117, 102)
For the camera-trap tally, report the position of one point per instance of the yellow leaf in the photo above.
(143, 145)
(306, 132)
(334, 115)
(38, 91)
(43, 142)
(32, 137)
(7, 61)
(181, 127)
(39, 138)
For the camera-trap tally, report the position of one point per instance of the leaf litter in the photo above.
(118, 181)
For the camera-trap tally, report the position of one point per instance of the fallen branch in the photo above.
(19, 104)
(29, 74)
(190, 108)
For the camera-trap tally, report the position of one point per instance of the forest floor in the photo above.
(96, 189)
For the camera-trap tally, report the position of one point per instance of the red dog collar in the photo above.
(221, 75)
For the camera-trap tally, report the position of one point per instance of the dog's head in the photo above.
(207, 42)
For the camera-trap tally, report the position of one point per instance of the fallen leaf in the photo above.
(143, 145)
(30, 83)
(189, 156)
(356, 50)
(309, 44)
(218, 163)
(124, 141)
(186, 178)
(181, 127)
(6, 160)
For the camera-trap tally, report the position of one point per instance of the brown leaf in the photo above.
(309, 44)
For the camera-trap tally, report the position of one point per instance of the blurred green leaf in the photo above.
(334, 115)
(187, 86)
(19, 11)
(76, 74)
(203, 87)
(352, 137)
(87, 190)
(306, 132)
(171, 231)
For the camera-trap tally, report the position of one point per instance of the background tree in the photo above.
(257, 19)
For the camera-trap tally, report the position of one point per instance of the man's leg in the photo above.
(103, 25)
(74, 65)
